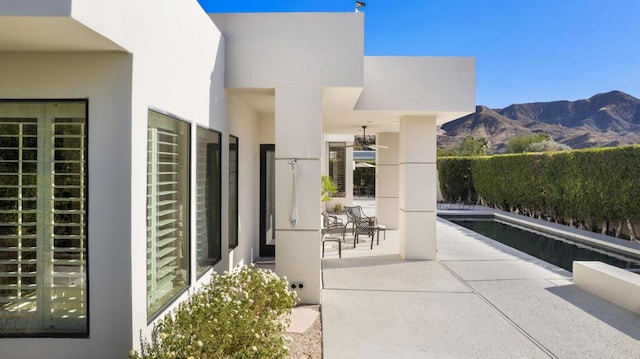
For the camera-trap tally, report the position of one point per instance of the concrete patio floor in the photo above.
(480, 299)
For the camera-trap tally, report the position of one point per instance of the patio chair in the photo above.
(332, 224)
(367, 227)
(351, 218)
(329, 219)
(360, 222)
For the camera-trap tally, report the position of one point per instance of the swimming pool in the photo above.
(550, 248)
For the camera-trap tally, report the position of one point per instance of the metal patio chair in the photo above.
(360, 222)
(332, 224)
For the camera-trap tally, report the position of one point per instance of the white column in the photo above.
(418, 187)
(298, 132)
(387, 186)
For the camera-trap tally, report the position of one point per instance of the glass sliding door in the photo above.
(267, 200)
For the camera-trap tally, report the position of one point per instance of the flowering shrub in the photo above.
(239, 314)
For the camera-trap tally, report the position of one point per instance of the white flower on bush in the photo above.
(219, 318)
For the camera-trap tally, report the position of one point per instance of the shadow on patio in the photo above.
(480, 299)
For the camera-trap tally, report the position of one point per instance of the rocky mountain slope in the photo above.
(606, 119)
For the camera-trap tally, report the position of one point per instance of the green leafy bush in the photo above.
(239, 314)
(470, 146)
(547, 146)
(520, 143)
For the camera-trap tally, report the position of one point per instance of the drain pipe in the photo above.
(293, 213)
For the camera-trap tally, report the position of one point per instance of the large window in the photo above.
(233, 192)
(43, 218)
(167, 210)
(337, 163)
(209, 244)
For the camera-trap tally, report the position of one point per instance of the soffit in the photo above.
(261, 100)
(339, 116)
(50, 34)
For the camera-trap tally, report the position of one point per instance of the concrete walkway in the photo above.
(481, 299)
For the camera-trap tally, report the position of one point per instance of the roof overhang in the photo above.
(394, 87)
(266, 51)
(50, 34)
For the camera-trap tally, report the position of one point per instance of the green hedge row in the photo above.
(600, 184)
(454, 175)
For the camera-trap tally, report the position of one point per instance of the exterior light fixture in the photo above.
(360, 5)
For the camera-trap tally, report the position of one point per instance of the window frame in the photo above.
(187, 222)
(200, 271)
(233, 221)
(49, 146)
(340, 186)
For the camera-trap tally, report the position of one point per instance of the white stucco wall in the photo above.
(441, 86)
(387, 177)
(105, 80)
(243, 123)
(177, 69)
(136, 25)
(171, 57)
(267, 129)
(270, 50)
(299, 136)
(176, 65)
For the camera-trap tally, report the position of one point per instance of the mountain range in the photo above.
(604, 120)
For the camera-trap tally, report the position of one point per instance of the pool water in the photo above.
(551, 249)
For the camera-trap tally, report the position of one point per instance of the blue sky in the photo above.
(525, 50)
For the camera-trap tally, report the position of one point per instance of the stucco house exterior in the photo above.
(144, 145)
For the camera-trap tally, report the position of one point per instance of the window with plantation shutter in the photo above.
(233, 191)
(208, 168)
(167, 210)
(43, 218)
(337, 166)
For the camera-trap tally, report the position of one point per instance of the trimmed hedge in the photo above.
(454, 174)
(593, 185)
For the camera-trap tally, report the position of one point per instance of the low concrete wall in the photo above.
(616, 285)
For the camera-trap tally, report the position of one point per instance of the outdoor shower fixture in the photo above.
(293, 213)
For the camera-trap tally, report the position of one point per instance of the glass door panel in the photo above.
(267, 200)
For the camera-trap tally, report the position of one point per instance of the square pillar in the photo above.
(298, 134)
(387, 186)
(417, 190)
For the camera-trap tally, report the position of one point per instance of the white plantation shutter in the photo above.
(18, 222)
(43, 218)
(166, 217)
(202, 245)
(68, 219)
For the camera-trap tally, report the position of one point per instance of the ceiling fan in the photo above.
(364, 144)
